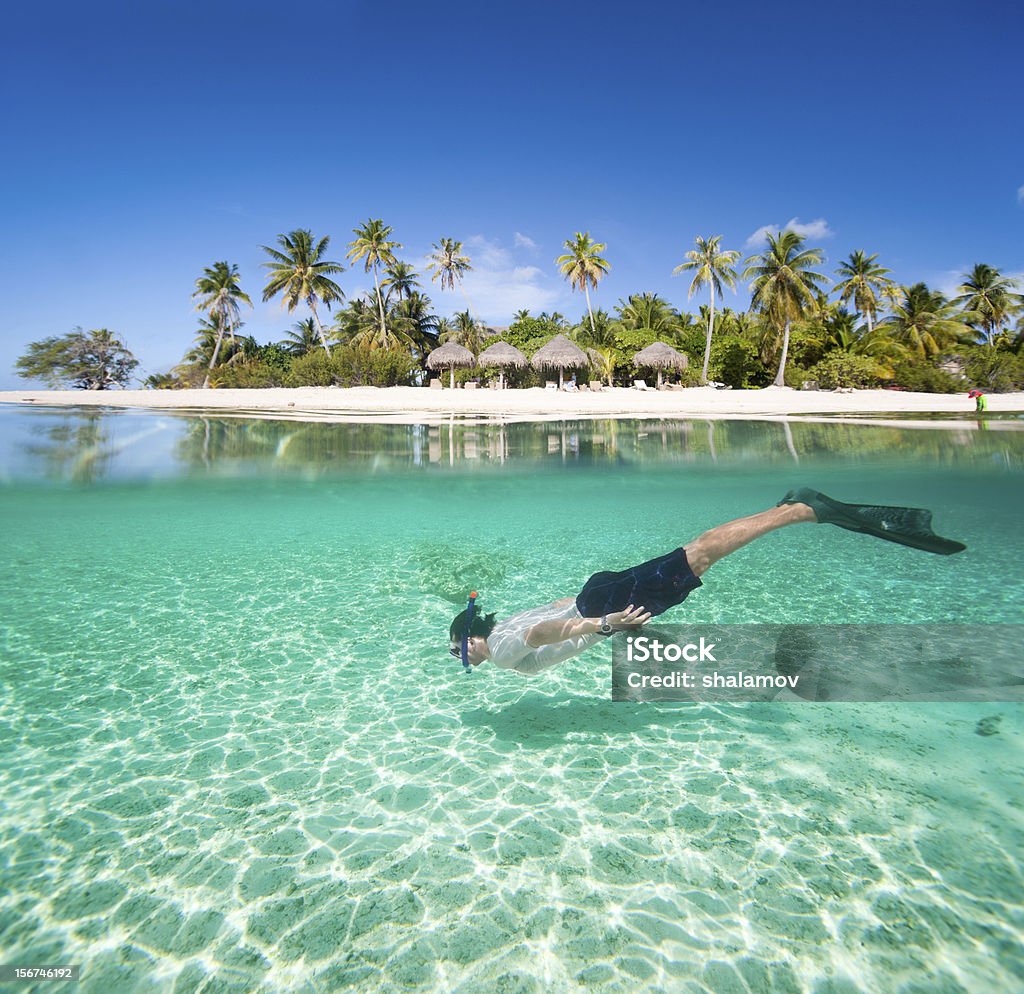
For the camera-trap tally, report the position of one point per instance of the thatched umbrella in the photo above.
(501, 354)
(451, 354)
(660, 356)
(559, 354)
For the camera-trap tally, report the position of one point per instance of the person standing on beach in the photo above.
(542, 637)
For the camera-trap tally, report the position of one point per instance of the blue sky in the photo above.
(147, 140)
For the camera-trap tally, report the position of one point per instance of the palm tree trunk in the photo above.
(465, 297)
(380, 306)
(319, 328)
(711, 328)
(213, 358)
(871, 324)
(780, 376)
(593, 329)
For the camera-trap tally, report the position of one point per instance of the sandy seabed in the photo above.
(421, 403)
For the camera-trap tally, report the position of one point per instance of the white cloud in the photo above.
(948, 282)
(760, 236)
(813, 230)
(524, 241)
(486, 253)
(497, 286)
(1020, 194)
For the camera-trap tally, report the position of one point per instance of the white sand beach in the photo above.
(421, 403)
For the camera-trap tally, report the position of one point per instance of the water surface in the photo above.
(235, 756)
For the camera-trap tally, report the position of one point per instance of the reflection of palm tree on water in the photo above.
(77, 448)
(83, 449)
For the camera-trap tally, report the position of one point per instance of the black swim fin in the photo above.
(905, 525)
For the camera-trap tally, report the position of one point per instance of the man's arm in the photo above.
(550, 632)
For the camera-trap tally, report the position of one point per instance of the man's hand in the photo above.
(632, 617)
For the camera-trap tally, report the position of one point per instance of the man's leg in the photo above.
(708, 548)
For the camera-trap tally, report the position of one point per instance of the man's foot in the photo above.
(813, 499)
(911, 526)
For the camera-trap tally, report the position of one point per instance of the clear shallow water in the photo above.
(234, 755)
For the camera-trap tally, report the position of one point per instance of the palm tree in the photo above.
(400, 278)
(603, 359)
(843, 335)
(372, 244)
(784, 286)
(583, 266)
(448, 263)
(366, 330)
(209, 341)
(355, 317)
(466, 332)
(219, 294)
(711, 267)
(415, 318)
(302, 339)
(602, 333)
(743, 324)
(302, 275)
(863, 280)
(378, 336)
(648, 311)
(989, 299)
(925, 322)
(520, 315)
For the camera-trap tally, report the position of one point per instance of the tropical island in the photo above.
(858, 329)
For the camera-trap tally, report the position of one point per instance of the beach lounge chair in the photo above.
(471, 385)
(595, 386)
(435, 384)
(640, 385)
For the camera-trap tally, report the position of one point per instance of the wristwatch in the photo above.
(606, 629)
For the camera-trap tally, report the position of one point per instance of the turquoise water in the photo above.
(236, 757)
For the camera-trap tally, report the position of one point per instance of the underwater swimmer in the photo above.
(544, 636)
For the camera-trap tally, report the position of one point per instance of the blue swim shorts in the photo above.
(655, 585)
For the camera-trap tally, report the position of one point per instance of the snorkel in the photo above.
(470, 612)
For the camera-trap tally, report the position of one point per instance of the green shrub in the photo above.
(925, 378)
(633, 340)
(689, 377)
(275, 356)
(793, 376)
(841, 369)
(734, 361)
(352, 366)
(692, 341)
(805, 345)
(529, 334)
(247, 375)
(374, 367)
(994, 369)
(314, 369)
